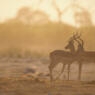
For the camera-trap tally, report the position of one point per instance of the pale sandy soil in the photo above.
(27, 86)
(16, 79)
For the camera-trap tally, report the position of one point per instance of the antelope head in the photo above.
(70, 44)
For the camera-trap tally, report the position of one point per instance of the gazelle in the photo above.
(64, 57)
(61, 56)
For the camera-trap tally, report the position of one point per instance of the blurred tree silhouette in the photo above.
(25, 15)
(29, 16)
(59, 12)
(82, 16)
(32, 30)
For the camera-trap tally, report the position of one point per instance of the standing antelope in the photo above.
(65, 57)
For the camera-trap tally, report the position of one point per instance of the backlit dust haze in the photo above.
(9, 8)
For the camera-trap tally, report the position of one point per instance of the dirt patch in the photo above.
(30, 86)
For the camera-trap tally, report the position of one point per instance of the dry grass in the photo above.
(17, 80)
(30, 86)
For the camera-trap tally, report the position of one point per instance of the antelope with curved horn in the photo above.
(64, 57)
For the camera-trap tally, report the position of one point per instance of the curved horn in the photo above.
(78, 35)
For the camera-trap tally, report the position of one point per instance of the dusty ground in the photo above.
(28, 86)
(16, 79)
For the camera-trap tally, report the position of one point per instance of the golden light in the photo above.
(9, 8)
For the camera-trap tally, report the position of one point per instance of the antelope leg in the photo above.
(61, 71)
(68, 71)
(80, 71)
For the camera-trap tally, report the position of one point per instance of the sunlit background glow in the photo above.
(9, 8)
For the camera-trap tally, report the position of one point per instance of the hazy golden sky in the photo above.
(9, 8)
